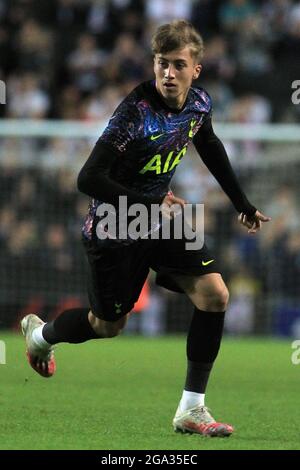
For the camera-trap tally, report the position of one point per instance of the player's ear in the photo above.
(154, 63)
(197, 71)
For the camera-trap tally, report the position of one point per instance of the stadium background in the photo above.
(74, 60)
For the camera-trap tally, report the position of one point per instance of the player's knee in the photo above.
(111, 331)
(215, 301)
(106, 329)
(220, 299)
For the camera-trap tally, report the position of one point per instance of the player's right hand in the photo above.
(172, 205)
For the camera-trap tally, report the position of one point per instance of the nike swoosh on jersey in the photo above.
(205, 263)
(154, 137)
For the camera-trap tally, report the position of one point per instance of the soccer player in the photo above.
(136, 156)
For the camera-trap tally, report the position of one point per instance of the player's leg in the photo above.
(195, 273)
(209, 295)
(71, 326)
(115, 280)
(107, 329)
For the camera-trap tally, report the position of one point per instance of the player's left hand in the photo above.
(254, 222)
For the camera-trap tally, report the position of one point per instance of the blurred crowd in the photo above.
(43, 263)
(76, 59)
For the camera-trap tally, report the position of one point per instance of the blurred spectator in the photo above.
(235, 15)
(6, 53)
(24, 197)
(26, 98)
(249, 109)
(107, 45)
(97, 18)
(163, 11)
(34, 49)
(275, 14)
(71, 15)
(56, 253)
(223, 98)
(148, 317)
(69, 102)
(76, 59)
(284, 210)
(217, 63)
(204, 16)
(240, 316)
(102, 104)
(7, 224)
(22, 242)
(86, 64)
(288, 252)
(252, 50)
(126, 61)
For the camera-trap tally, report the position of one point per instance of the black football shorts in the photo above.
(116, 275)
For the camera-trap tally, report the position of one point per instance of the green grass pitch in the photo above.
(122, 393)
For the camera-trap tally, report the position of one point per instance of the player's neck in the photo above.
(176, 103)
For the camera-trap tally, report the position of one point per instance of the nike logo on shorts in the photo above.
(206, 263)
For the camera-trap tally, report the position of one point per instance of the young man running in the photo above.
(136, 157)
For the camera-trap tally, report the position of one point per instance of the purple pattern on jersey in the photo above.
(88, 222)
(149, 140)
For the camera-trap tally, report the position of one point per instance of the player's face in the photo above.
(174, 73)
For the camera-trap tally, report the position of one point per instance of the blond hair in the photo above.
(177, 35)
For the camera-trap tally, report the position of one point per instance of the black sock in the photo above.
(203, 344)
(71, 326)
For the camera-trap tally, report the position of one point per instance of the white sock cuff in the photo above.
(38, 339)
(191, 399)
